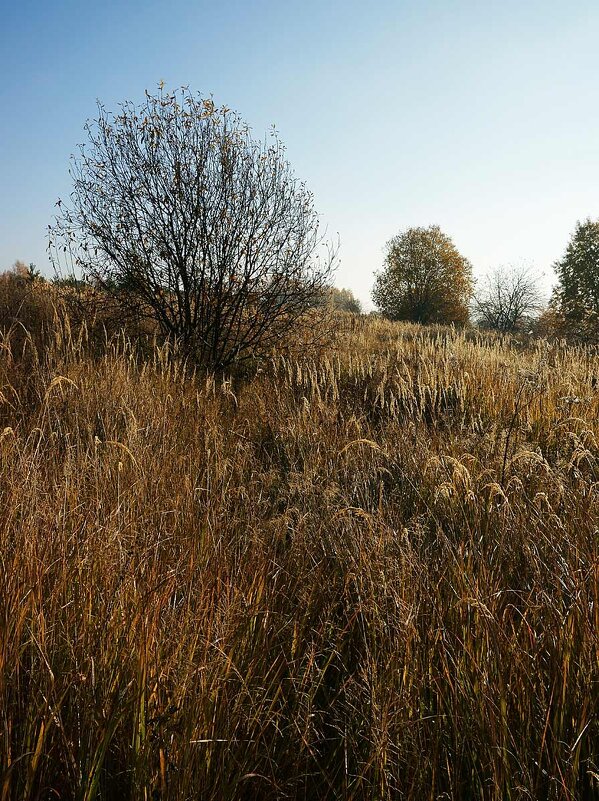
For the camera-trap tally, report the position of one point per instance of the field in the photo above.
(370, 573)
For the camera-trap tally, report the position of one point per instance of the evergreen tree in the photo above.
(576, 297)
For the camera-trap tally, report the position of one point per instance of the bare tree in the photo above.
(177, 214)
(507, 300)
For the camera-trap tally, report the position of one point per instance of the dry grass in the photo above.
(370, 575)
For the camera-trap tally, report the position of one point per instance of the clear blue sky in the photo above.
(482, 117)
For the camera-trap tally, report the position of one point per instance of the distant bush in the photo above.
(24, 272)
(27, 307)
(343, 300)
(549, 324)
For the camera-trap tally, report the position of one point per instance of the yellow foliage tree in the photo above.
(425, 279)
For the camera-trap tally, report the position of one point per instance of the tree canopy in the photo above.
(576, 296)
(180, 216)
(344, 300)
(425, 279)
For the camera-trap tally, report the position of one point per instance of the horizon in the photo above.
(481, 121)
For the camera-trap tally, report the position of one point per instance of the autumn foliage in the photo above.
(425, 279)
(367, 575)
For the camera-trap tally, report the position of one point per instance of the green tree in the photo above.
(425, 279)
(576, 296)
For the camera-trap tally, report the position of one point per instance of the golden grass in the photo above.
(373, 574)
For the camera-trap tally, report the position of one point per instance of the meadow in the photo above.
(370, 572)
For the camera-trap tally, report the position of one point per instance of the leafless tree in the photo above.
(507, 300)
(177, 214)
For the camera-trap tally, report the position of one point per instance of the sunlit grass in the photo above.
(371, 574)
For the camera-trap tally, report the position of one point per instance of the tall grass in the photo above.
(373, 574)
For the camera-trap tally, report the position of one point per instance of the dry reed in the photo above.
(372, 574)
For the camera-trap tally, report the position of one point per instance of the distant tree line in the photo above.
(22, 272)
(179, 216)
(343, 300)
(426, 280)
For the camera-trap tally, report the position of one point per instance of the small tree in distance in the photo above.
(24, 272)
(344, 300)
(507, 300)
(425, 279)
(178, 215)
